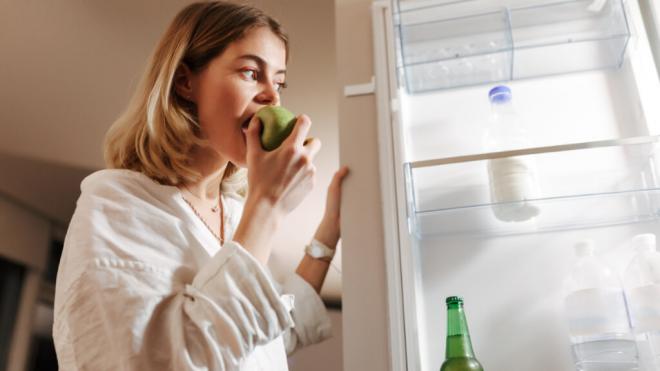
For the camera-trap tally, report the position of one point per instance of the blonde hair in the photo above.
(159, 129)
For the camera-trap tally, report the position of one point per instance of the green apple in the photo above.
(277, 124)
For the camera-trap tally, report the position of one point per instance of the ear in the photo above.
(183, 83)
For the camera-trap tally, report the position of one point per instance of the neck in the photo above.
(458, 336)
(212, 169)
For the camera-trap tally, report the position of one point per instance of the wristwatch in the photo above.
(320, 251)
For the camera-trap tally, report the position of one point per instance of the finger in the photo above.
(300, 130)
(341, 173)
(310, 176)
(253, 133)
(313, 146)
(302, 180)
(339, 176)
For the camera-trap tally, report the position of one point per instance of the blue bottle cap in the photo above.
(500, 94)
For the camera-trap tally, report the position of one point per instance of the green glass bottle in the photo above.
(459, 355)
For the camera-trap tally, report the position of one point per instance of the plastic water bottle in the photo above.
(642, 283)
(512, 179)
(601, 338)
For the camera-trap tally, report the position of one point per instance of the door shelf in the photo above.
(581, 185)
(441, 47)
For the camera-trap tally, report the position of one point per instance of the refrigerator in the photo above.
(418, 221)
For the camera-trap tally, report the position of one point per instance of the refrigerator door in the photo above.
(594, 138)
(367, 342)
(651, 12)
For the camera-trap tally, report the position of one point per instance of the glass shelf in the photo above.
(449, 45)
(465, 6)
(580, 185)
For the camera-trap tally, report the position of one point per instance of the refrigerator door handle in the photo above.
(361, 89)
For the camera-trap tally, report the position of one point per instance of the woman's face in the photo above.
(248, 75)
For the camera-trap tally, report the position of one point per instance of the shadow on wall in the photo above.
(47, 189)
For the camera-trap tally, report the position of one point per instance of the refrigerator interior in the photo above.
(512, 288)
(580, 72)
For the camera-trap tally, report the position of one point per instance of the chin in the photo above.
(235, 153)
(240, 160)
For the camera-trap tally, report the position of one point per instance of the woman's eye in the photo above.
(279, 86)
(253, 75)
(250, 74)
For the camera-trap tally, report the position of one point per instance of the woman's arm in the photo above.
(278, 181)
(314, 270)
(124, 315)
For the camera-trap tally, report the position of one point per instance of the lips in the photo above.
(244, 127)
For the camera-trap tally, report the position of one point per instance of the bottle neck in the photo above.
(458, 336)
(502, 107)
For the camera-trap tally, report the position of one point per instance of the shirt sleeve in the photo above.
(312, 323)
(126, 315)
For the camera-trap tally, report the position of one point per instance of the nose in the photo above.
(268, 94)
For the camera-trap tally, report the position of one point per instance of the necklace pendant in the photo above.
(214, 209)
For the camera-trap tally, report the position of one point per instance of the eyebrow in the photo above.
(259, 61)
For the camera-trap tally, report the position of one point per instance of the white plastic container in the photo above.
(513, 179)
(601, 337)
(642, 284)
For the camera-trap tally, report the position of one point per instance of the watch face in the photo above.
(317, 251)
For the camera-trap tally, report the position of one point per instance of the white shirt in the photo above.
(144, 285)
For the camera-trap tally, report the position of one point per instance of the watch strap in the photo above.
(319, 250)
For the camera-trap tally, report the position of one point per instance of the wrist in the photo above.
(319, 251)
(261, 215)
(327, 233)
(258, 223)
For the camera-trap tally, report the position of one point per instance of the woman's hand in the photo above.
(284, 176)
(328, 231)
(278, 181)
(313, 270)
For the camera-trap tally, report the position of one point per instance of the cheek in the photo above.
(215, 114)
(222, 102)
(219, 116)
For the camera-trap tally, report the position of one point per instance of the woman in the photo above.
(164, 260)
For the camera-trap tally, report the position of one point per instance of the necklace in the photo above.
(221, 237)
(214, 209)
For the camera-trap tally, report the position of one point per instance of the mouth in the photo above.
(247, 119)
(244, 127)
(245, 124)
